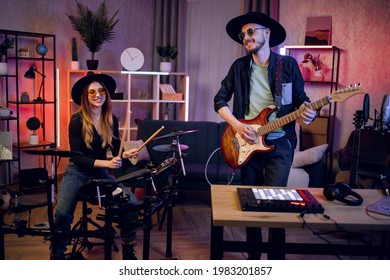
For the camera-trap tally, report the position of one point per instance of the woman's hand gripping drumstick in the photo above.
(133, 153)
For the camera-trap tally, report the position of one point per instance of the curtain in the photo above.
(170, 28)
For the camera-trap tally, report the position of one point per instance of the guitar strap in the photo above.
(278, 82)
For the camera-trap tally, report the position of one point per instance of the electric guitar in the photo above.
(358, 122)
(237, 152)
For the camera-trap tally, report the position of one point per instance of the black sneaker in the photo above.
(128, 251)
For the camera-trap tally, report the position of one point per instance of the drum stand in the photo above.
(147, 213)
(80, 232)
(22, 204)
(167, 202)
(21, 227)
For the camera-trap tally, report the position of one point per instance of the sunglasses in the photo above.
(92, 92)
(249, 31)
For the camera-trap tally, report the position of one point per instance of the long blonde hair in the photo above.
(105, 122)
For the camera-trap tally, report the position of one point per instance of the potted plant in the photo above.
(95, 28)
(167, 53)
(75, 65)
(33, 124)
(5, 45)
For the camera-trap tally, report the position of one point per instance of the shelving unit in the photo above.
(13, 84)
(317, 85)
(142, 98)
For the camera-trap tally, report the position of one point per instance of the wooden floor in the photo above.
(191, 236)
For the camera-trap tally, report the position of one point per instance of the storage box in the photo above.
(171, 96)
(117, 96)
(25, 52)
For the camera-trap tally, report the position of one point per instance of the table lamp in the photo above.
(30, 74)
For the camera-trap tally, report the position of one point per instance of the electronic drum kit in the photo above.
(170, 168)
(174, 147)
(170, 164)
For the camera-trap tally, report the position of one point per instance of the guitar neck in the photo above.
(355, 157)
(275, 124)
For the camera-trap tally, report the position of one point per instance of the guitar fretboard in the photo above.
(275, 124)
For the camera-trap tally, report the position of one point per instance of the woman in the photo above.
(92, 131)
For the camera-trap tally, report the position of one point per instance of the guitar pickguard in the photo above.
(245, 150)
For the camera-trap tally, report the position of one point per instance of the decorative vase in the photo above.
(318, 72)
(165, 66)
(92, 64)
(24, 98)
(33, 139)
(3, 68)
(75, 65)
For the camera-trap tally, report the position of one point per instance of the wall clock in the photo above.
(132, 59)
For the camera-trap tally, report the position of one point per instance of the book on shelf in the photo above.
(169, 93)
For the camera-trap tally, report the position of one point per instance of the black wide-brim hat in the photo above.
(278, 33)
(78, 87)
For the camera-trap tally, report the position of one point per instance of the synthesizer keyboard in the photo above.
(278, 200)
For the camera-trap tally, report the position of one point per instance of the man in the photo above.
(256, 82)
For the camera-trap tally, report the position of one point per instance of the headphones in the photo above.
(340, 192)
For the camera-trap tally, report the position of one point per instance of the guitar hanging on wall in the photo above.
(358, 122)
(237, 152)
(359, 119)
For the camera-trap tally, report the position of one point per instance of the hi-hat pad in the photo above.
(169, 148)
(175, 133)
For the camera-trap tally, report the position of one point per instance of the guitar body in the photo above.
(235, 150)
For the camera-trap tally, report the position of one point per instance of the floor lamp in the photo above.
(30, 74)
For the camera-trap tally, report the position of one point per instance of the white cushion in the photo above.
(309, 156)
(143, 154)
(298, 133)
(298, 178)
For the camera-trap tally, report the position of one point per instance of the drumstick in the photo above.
(134, 161)
(124, 133)
(150, 138)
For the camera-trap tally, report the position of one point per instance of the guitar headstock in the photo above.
(358, 119)
(343, 94)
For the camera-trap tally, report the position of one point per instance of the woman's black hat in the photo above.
(78, 87)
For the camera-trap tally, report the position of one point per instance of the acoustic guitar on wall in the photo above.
(237, 152)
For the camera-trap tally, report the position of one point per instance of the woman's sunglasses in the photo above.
(92, 92)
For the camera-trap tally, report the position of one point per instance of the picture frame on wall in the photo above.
(318, 31)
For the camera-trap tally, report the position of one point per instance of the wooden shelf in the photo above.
(322, 129)
(141, 96)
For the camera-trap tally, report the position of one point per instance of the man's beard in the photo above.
(259, 45)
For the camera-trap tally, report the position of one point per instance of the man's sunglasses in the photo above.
(249, 31)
